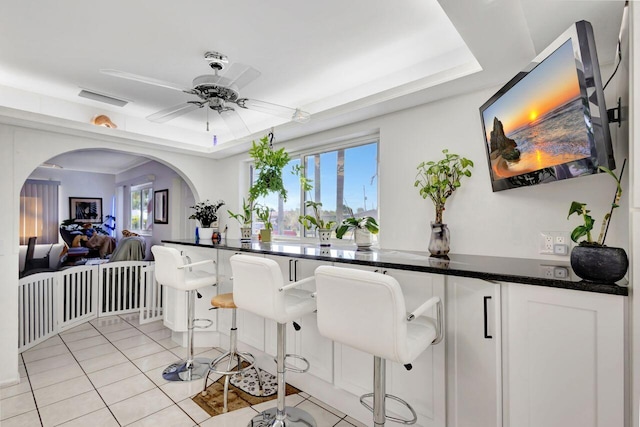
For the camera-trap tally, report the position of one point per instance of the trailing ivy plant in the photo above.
(580, 209)
(268, 164)
(437, 181)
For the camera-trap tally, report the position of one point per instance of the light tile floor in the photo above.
(108, 373)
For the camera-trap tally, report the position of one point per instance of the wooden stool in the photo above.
(226, 301)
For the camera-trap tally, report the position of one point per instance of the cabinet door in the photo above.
(565, 357)
(474, 368)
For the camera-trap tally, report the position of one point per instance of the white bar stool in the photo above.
(170, 270)
(258, 287)
(226, 301)
(366, 311)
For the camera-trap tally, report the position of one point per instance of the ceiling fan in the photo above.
(219, 92)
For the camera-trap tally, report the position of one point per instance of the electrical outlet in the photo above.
(553, 243)
(554, 272)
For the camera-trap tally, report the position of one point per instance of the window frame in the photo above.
(320, 149)
(140, 188)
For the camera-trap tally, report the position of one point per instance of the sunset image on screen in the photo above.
(540, 121)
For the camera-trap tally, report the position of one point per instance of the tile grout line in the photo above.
(89, 379)
(143, 373)
(32, 392)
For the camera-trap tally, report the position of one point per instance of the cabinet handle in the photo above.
(486, 331)
(290, 263)
(295, 270)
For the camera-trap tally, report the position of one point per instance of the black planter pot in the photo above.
(599, 263)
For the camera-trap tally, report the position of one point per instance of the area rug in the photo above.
(242, 392)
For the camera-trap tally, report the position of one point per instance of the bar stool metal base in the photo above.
(294, 417)
(180, 372)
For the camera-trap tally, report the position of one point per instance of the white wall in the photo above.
(22, 149)
(505, 223)
(79, 184)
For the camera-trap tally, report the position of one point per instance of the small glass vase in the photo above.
(439, 243)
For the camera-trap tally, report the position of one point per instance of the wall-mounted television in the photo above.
(549, 122)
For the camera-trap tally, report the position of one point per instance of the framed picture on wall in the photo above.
(161, 207)
(86, 209)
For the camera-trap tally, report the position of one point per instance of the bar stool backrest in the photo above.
(256, 282)
(167, 261)
(364, 310)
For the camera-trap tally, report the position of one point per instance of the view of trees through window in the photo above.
(141, 208)
(343, 180)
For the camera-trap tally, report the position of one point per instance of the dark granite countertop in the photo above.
(502, 269)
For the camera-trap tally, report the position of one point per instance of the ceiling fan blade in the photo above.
(143, 79)
(234, 122)
(241, 75)
(295, 114)
(173, 112)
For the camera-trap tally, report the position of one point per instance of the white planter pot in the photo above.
(245, 233)
(325, 237)
(362, 238)
(206, 233)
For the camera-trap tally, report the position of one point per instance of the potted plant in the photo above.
(363, 228)
(264, 214)
(207, 215)
(438, 181)
(315, 220)
(268, 164)
(244, 219)
(592, 260)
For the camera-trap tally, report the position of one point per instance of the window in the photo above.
(343, 179)
(39, 211)
(141, 209)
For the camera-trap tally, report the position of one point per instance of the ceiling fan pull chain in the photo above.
(207, 119)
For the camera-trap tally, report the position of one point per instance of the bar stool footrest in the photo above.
(390, 418)
(247, 357)
(208, 323)
(293, 368)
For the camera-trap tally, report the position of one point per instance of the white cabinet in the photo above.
(564, 358)
(474, 368)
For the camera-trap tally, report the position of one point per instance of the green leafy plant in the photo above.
(244, 218)
(264, 214)
(580, 209)
(206, 212)
(352, 223)
(309, 221)
(268, 164)
(437, 181)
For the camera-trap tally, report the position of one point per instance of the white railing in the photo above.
(49, 303)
